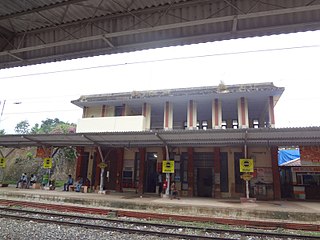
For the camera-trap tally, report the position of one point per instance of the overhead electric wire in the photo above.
(161, 60)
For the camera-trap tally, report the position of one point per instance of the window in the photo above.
(255, 123)
(235, 124)
(118, 111)
(204, 125)
(185, 125)
(224, 125)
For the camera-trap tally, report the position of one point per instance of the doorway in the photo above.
(151, 173)
(204, 182)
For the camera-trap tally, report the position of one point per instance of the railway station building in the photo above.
(204, 130)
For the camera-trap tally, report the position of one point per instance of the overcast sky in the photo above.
(291, 61)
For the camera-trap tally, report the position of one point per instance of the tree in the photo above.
(2, 132)
(22, 127)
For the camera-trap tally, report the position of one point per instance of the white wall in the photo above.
(111, 124)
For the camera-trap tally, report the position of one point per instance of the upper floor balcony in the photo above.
(111, 124)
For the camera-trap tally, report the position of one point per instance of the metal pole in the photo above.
(101, 179)
(167, 174)
(245, 156)
(247, 189)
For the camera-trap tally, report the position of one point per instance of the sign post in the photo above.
(102, 165)
(246, 167)
(2, 165)
(47, 163)
(167, 168)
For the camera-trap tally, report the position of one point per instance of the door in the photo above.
(151, 173)
(204, 182)
(110, 174)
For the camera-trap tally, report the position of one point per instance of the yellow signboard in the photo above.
(47, 163)
(246, 176)
(168, 166)
(2, 162)
(246, 165)
(102, 165)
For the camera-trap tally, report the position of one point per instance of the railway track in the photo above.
(140, 228)
(159, 216)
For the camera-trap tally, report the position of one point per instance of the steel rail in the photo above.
(151, 215)
(109, 228)
(205, 229)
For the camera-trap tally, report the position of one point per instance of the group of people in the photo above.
(78, 184)
(163, 185)
(24, 182)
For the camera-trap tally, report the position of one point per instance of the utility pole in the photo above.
(3, 105)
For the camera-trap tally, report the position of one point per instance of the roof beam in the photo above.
(164, 27)
(35, 141)
(39, 9)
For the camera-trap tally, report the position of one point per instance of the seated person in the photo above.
(33, 179)
(174, 191)
(23, 180)
(79, 184)
(68, 183)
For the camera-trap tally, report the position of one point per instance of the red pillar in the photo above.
(190, 172)
(119, 152)
(142, 152)
(275, 173)
(217, 170)
(80, 151)
(98, 170)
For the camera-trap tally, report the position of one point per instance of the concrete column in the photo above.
(98, 170)
(168, 116)
(146, 112)
(103, 110)
(84, 112)
(124, 110)
(80, 151)
(192, 115)
(119, 154)
(243, 115)
(190, 172)
(275, 174)
(217, 172)
(216, 114)
(142, 152)
(271, 112)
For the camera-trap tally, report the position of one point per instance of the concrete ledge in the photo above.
(248, 200)
(217, 208)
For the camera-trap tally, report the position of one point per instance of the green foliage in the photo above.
(2, 132)
(35, 129)
(48, 126)
(29, 155)
(22, 127)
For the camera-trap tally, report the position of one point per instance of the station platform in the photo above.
(270, 211)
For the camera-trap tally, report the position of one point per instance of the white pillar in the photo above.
(216, 114)
(146, 112)
(168, 116)
(192, 115)
(271, 112)
(243, 115)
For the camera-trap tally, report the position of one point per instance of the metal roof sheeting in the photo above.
(213, 137)
(49, 30)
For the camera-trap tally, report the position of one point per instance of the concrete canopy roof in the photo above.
(174, 138)
(257, 95)
(38, 31)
